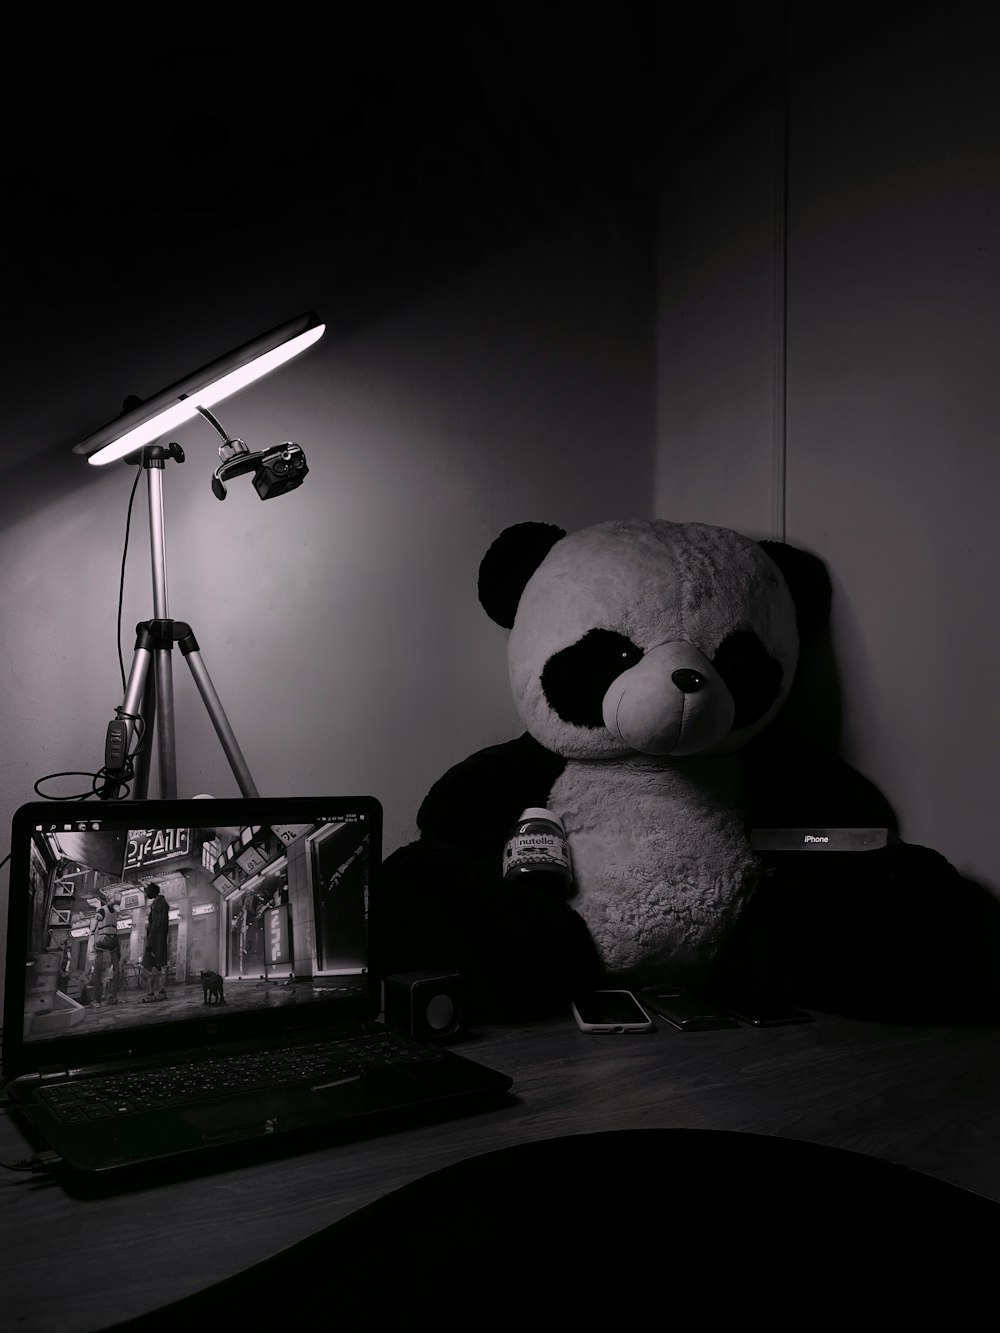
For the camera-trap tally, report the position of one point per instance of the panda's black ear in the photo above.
(509, 564)
(809, 583)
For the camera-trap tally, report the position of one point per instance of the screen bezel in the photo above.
(21, 1057)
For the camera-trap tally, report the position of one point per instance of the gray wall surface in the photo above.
(864, 426)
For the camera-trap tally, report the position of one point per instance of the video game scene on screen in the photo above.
(129, 926)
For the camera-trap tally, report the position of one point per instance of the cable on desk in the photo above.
(42, 1161)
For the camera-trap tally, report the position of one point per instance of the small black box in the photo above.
(429, 1006)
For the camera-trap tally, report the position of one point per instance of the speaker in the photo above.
(427, 1005)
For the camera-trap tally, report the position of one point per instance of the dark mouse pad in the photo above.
(599, 1230)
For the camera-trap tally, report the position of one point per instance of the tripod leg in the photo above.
(122, 733)
(215, 711)
(165, 742)
(140, 785)
(149, 698)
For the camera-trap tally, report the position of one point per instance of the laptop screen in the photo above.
(130, 917)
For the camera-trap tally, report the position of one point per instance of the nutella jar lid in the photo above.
(538, 812)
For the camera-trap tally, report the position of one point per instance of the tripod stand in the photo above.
(149, 694)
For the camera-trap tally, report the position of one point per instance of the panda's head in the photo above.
(665, 639)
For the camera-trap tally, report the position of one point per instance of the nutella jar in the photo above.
(538, 846)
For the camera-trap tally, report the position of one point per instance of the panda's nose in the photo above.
(686, 680)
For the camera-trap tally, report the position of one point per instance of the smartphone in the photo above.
(686, 1010)
(611, 1011)
(760, 1008)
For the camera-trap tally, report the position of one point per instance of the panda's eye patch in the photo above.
(751, 674)
(576, 679)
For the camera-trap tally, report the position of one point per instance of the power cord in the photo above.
(103, 778)
(39, 1161)
(105, 783)
(42, 1161)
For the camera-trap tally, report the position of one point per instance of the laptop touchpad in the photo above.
(273, 1111)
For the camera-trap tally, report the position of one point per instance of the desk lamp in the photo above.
(134, 436)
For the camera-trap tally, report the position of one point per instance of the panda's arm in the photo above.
(522, 951)
(473, 806)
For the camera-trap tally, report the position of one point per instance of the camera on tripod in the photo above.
(276, 470)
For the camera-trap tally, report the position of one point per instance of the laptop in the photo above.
(254, 1021)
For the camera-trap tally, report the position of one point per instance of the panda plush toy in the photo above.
(650, 663)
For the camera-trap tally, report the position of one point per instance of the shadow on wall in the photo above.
(812, 715)
(445, 141)
(814, 706)
(31, 484)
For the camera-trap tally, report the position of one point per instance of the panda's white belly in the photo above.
(660, 857)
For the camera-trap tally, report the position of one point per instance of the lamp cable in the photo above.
(103, 777)
(121, 580)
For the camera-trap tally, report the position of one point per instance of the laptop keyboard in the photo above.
(172, 1085)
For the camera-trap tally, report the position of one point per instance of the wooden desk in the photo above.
(927, 1098)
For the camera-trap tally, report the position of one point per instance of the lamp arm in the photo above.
(214, 422)
(232, 446)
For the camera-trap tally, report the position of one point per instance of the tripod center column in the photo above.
(157, 546)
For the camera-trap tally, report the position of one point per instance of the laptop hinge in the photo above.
(52, 1071)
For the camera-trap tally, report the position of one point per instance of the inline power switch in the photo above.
(116, 746)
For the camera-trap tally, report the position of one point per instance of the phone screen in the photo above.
(611, 1007)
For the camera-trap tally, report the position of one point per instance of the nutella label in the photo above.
(536, 851)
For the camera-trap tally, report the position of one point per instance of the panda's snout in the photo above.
(671, 702)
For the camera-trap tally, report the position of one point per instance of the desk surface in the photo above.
(927, 1098)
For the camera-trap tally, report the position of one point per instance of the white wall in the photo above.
(340, 622)
(720, 295)
(893, 469)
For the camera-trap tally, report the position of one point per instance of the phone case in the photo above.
(641, 1022)
(761, 1009)
(686, 1010)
